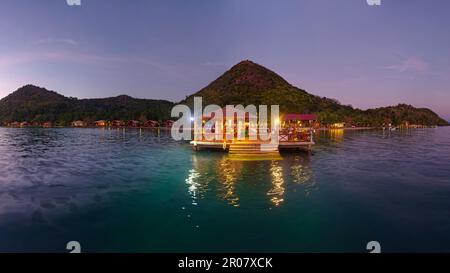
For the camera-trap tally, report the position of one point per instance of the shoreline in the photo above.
(87, 127)
(167, 128)
(347, 128)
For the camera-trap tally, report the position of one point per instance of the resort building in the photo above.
(24, 124)
(133, 123)
(338, 125)
(79, 123)
(14, 124)
(168, 123)
(101, 123)
(47, 124)
(297, 128)
(117, 123)
(295, 131)
(151, 124)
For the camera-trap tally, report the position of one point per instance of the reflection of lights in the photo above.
(228, 173)
(337, 134)
(255, 157)
(192, 119)
(302, 174)
(193, 185)
(221, 177)
(278, 189)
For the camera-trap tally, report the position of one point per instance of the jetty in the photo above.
(295, 132)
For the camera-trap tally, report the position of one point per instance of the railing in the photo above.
(285, 135)
(292, 135)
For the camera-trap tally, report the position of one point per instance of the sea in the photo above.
(138, 190)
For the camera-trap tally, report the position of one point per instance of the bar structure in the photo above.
(295, 132)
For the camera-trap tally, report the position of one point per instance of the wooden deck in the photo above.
(250, 147)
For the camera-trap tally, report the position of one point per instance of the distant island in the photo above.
(245, 83)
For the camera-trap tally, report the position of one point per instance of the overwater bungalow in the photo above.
(297, 128)
(79, 123)
(101, 123)
(151, 124)
(168, 123)
(117, 123)
(133, 123)
(14, 124)
(24, 124)
(47, 124)
(295, 131)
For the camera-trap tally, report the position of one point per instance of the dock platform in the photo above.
(250, 147)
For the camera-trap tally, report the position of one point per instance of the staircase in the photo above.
(254, 150)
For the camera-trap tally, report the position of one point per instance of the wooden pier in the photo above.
(251, 147)
(295, 132)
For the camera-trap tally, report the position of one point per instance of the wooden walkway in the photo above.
(251, 147)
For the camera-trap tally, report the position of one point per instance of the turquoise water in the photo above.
(129, 191)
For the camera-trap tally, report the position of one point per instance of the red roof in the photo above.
(299, 117)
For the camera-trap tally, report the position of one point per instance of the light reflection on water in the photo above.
(276, 193)
(228, 173)
(229, 178)
(336, 135)
(193, 185)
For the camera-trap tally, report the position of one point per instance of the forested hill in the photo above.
(250, 83)
(35, 104)
(245, 83)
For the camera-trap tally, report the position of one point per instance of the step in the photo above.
(254, 152)
(254, 149)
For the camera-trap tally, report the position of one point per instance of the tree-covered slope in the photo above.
(245, 83)
(250, 83)
(35, 104)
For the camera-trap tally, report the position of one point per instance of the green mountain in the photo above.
(250, 83)
(407, 113)
(245, 83)
(35, 104)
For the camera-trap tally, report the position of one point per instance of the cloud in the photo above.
(69, 57)
(55, 41)
(19, 58)
(410, 64)
(28, 57)
(219, 64)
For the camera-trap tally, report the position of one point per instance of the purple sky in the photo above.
(361, 55)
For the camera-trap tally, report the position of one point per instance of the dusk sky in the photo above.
(362, 55)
